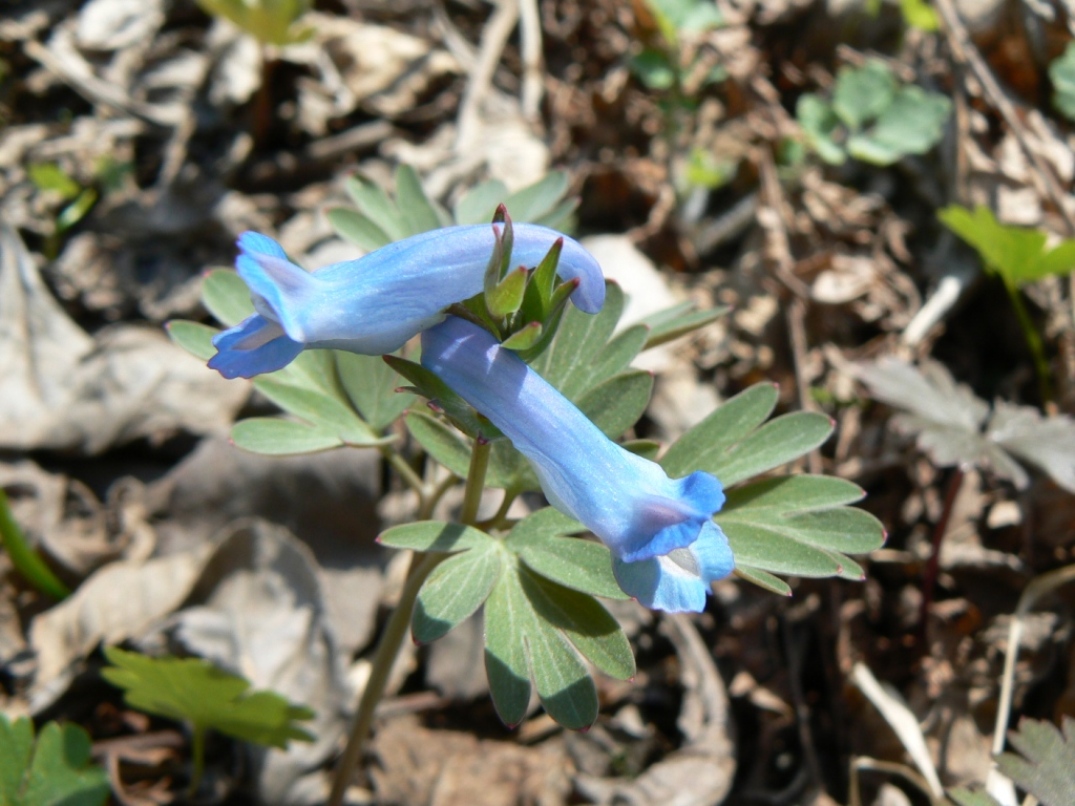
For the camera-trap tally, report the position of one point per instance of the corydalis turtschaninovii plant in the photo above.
(374, 304)
(665, 547)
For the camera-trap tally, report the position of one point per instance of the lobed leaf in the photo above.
(455, 590)
(520, 646)
(195, 691)
(320, 409)
(1045, 761)
(371, 386)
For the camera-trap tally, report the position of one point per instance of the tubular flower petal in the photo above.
(666, 549)
(374, 304)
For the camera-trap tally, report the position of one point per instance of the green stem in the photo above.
(479, 463)
(383, 660)
(425, 511)
(24, 558)
(401, 466)
(197, 752)
(501, 515)
(1033, 341)
(392, 639)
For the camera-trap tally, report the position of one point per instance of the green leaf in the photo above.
(275, 436)
(371, 386)
(226, 296)
(54, 771)
(194, 337)
(863, 93)
(195, 691)
(268, 21)
(521, 645)
(703, 445)
(419, 213)
(477, 205)
(1017, 254)
(654, 69)
(357, 228)
(1045, 762)
(48, 176)
(965, 797)
(455, 590)
(912, 124)
(820, 125)
(1062, 74)
(434, 536)
(23, 557)
(920, 14)
(320, 409)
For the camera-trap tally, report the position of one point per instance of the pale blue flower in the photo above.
(665, 547)
(374, 304)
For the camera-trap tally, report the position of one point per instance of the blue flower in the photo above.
(374, 304)
(666, 550)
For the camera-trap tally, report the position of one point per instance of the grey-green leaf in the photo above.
(479, 203)
(320, 409)
(194, 337)
(767, 549)
(774, 444)
(371, 386)
(434, 536)
(618, 403)
(537, 199)
(419, 213)
(763, 579)
(703, 445)
(587, 625)
(275, 436)
(455, 590)
(357, 228)
(440, 441)
(573, 562)
(226, 296)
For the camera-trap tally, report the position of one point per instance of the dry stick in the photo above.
(796, 316)
(494, 38)
(530, 34)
